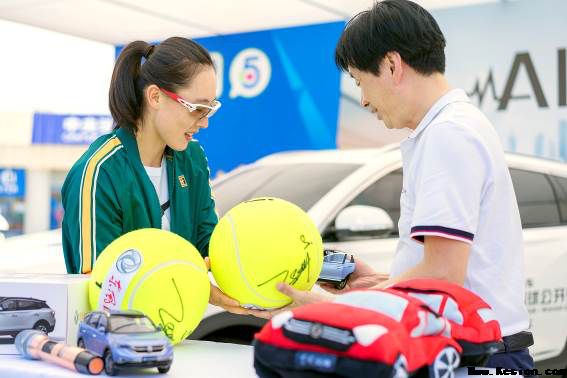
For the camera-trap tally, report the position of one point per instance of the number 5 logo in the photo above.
(250, 73)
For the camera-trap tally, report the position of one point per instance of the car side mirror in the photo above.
(101, 329)
(362, 222)
(159, 328)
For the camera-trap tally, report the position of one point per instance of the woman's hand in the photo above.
(218, 298)
(299, 298)
(363, 277)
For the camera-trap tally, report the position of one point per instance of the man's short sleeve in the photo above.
(451, 174)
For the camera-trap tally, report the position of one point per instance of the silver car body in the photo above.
(17, 314)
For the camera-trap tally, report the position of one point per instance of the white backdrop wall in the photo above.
(510, 57)
(41, 70)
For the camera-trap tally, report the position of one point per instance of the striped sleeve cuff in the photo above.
(419, 232)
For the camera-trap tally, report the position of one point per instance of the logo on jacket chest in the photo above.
(182, 181)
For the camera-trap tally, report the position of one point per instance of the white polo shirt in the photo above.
(456, 184)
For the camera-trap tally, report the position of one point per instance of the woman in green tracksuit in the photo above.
(149, 172)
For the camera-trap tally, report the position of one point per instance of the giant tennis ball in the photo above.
(261, 242)
(156, 272)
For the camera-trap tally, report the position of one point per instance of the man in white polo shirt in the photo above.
(459, 217)
(458, 196)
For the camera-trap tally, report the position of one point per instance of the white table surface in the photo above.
(192, 358)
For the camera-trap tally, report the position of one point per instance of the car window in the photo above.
(560, 185)
(102, 322)
(536, 199)
(27, 305)
(9, 305)
(130, 324)
(93, 321)
(385, 194)
(381, 302)
(301, 184)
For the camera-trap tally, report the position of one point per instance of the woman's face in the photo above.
(174, 123)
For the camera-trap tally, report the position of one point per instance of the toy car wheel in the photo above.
(41, 326)
(163, 369)
(109, 366)
(445, 364)
(341, 285)
(81, 343)
(400, 368)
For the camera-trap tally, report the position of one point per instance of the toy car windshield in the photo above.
(336, 257)
(130, 324)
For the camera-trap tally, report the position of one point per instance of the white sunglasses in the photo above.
(207, 111)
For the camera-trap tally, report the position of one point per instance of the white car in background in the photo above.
(353, 198)
(4, 226)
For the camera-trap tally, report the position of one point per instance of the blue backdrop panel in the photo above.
(279, 90)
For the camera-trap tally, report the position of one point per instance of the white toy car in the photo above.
(337, 268)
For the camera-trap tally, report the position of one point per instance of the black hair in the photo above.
(170, 65)
(392, 25)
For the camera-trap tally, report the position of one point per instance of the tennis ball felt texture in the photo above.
(156, 272)
(261, 242)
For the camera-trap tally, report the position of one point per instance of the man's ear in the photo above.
(152, 96)
(395, 66)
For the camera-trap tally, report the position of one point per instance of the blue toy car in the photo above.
(337, 267)
(125, 339)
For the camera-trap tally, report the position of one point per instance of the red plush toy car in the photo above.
(388, 333)
(473, 323)
(363, 333)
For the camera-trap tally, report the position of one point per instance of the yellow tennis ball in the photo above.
(156, 272)
(261, 242)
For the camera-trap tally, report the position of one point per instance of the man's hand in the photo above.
(218, 298)
(363, 277)
(298, 297)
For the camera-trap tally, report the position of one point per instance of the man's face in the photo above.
(378, 94)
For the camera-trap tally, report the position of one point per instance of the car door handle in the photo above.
(14, 316)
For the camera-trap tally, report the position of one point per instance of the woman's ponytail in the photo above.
(125, 100)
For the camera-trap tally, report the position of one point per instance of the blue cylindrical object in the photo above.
(22, 339)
